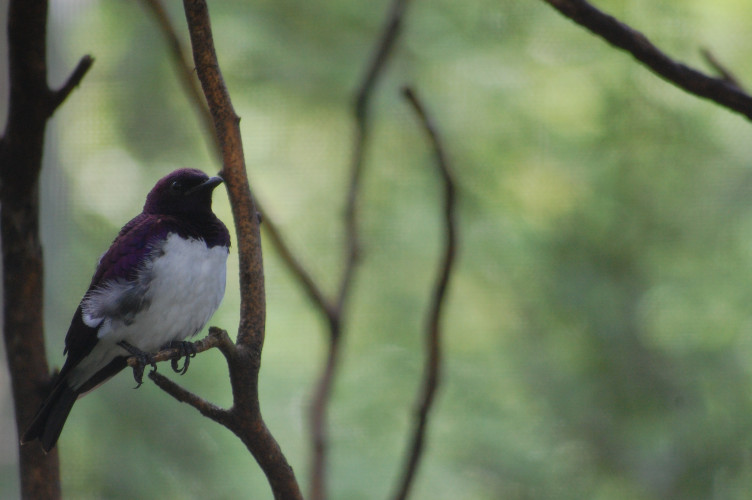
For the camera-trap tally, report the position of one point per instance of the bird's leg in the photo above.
(143, 358)
(185, 349)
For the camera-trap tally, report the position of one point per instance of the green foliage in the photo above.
(598, 334)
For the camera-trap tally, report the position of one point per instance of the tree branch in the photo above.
(184, 69)
(204, 407)
(724, 73)
(318, 418)
(244, 358)
(217, 338)
(57, 97)
(379, 58)
(432, 370)
(31, 104)
(622, 36)
(361, 111)
(226, 125)
(300, 273)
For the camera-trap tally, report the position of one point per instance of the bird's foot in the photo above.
(186, 350)
(143, 358)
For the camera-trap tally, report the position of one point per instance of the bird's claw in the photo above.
(138, 374)
(186, 350)
(143, 359)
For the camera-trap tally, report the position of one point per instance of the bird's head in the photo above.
(183, 192)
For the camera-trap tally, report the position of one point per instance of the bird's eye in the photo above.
(176, 187)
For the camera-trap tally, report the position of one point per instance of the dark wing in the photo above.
(131, 246)
(119, 265)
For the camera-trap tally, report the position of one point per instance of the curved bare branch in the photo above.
(618, 34)
(432, 369)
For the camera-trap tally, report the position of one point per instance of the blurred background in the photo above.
(598, 331)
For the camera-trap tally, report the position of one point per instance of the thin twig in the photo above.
(207, 409)
(361, 110)
(622, 36)
(724, 72)
(216, 338)
(363, 96)
(184, 68)
(318, 419)
(380, 56)
(57, 97)
(312, 289)
(432, 369)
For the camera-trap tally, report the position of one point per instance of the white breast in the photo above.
(186, 286)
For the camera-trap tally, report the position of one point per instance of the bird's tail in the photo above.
(49, 420)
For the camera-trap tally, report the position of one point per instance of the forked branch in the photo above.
(334, 310)
(58, 96)
(618, 34)
(719, 68)
(31, 103)
(244, 357)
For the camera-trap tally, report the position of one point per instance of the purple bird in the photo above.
(158, 284)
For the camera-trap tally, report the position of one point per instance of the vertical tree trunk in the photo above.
(31, 105)
(23, 329)
(20, 164)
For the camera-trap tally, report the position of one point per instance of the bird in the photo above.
(159, 283)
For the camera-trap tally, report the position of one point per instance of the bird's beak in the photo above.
(207, 185)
